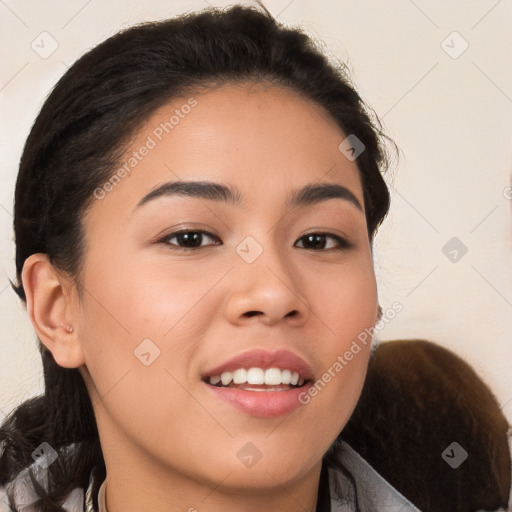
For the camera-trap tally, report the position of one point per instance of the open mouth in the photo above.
(258, 379)
(265, 391)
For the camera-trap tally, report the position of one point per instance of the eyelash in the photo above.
(343, 244)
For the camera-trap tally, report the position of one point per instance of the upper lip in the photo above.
(264, 359)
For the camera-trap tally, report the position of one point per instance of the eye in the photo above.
(318, 241)
(188, 239)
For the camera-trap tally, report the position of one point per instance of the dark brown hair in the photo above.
(76, 143)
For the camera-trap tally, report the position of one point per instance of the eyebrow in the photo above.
(312, 193)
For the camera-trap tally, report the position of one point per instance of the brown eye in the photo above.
(189, 239)
(318, 241)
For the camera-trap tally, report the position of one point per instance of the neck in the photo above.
(139, 480)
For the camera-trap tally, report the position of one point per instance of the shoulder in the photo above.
(373, 491)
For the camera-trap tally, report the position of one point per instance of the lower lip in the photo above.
(261, 404)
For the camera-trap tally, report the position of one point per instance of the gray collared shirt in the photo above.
(373, 491)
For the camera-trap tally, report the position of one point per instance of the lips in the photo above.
(257, 400)
(259, 358)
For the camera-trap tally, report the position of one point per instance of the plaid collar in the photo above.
(94, 497)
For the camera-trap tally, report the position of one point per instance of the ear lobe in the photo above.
(50, 310)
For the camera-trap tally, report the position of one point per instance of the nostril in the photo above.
(252, 313)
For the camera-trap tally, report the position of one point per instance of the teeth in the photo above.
(262, 389)
(226, 378)
(240, 376)
(215, 380)
(273, 376)
(258, 376)
(286, 376)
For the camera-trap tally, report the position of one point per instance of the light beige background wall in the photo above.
(438, 73)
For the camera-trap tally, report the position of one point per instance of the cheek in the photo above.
(142, 327)
(132, 299)
(345, 300)
(138, 341)
(346, 306)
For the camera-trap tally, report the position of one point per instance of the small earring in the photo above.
(69, 328)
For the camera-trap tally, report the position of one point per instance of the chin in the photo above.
(260, 479)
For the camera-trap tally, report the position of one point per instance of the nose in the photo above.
(268, 291)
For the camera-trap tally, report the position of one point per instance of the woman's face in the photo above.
(268, 272)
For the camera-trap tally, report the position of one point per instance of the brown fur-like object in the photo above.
(418, 400)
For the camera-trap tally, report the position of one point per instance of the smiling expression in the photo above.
(277, 258)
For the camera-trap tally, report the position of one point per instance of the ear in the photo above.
(52, 309)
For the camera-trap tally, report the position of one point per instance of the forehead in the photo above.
(263, 139)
